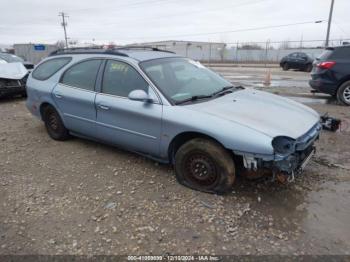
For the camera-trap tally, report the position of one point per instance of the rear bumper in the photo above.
(323, 86)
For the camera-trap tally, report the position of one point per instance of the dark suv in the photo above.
(297, 60)
(331, 73)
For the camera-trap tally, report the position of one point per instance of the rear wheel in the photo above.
(204, 165)
(343, 93)
(286, 66)
(54, 124)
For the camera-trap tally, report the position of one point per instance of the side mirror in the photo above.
(139, 95)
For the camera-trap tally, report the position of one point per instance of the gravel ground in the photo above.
(82, 197)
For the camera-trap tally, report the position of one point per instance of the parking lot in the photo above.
(82, 197)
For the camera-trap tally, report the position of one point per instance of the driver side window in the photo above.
(120, 79)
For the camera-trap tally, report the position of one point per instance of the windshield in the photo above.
(10, 58)
(181, 79)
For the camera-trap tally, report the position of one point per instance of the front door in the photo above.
(75, 97)
(131, 124)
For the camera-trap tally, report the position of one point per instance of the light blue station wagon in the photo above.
(174, 110)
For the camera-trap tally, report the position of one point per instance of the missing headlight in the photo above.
(283, 145)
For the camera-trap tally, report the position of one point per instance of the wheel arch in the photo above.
(184, 137)
(46, 104)
(343, 80)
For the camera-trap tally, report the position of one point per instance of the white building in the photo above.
(34, 52)
(203, 51)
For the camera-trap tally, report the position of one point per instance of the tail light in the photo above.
(326, 65)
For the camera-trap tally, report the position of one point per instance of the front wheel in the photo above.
(204, 165)
(343, 93)
(285, 67)
(54, 125)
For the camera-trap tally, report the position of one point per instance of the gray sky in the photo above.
(123, 21)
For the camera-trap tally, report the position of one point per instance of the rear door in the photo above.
(302, 60)
(134, 125)
(75, 96)
(293, 60)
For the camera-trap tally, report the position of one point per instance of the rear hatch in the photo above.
(332, 59)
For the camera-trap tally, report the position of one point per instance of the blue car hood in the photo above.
(269, 114)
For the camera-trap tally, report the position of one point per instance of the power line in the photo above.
(64, 24)
(340, 28)
(235, 31)
(134, 4)
(158, 17)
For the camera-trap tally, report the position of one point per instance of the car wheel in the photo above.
(343, 93)
(308, 68)
(204, 165)
(54, 124)
(285, 66)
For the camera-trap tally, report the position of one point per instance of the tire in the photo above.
(308, 68)
(343, 93)
(54, 124)
(285, 67)
(206, 166)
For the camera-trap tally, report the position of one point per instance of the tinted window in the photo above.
(50, 67)
(82, 75)
(341, 53)
(120, 79)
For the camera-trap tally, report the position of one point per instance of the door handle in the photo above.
(58, 95)
(103, 107)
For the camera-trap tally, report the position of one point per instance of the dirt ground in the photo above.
(82, 197)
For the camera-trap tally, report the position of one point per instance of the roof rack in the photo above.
(143, 47)
(101, 50)
(87, 50)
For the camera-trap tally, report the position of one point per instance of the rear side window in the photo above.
(82, 75)
(48, 68)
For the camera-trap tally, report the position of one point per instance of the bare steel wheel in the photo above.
(205, 165)
(201, 169)
(343, 93)
(54, 125)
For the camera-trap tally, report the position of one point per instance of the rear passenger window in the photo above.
(48, 68)
(82, 75)
(120, 79)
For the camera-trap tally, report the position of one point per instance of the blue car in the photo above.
(174, 110)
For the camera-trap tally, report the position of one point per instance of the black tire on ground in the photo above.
(204, 165)
(308, 68)
(343, 93)
(54, 124)
(285, 66)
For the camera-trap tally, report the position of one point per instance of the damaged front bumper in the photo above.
(12, 87)
(286, 165)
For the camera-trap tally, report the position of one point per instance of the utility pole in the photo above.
(329, 23)
(64, 24)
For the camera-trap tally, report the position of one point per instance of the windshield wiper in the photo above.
(193, 98)
(223, 91)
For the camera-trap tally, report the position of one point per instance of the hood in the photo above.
(269, 114)
(14, 71)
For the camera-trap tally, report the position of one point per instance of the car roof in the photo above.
(137, 53)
